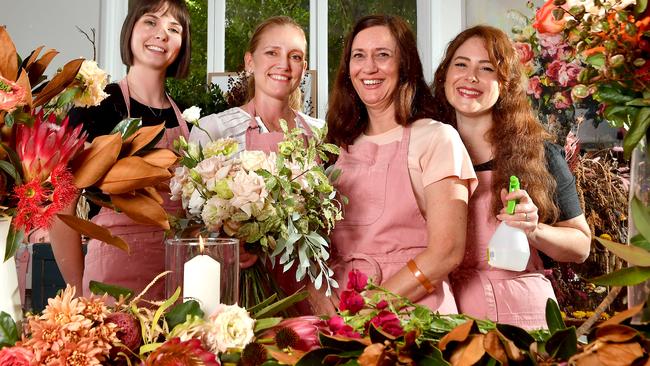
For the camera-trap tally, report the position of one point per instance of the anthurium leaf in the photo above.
(94, 231)
(93, 163)
(131, 173)
(8, 330)
(99, 288)
(637, 131)
(127, 127)
(517, 335)
(553, 316)
(623, 277)
(141, 208)
(179, 313)
(630, 253)
(563, 343)
(14, 239)
(8, 56)
(59, 82)
(281, 305)
(342, 343)
(639, 241)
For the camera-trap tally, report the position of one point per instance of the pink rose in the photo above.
(553, 45)
(525, 51)
(545, 21)
(11, 95)
(338, 327)
(388, 322)
(16, 356)
(534, 87)
(568, 74)
(357, 280)
(553, 69)
(351, 301)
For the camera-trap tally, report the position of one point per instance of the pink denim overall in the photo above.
(383, 227)
(146, 260)
(517, 298)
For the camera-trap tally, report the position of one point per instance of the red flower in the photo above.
(545, 21)
(11, 95)
(305, 327)
(338, 327)
(383, 304)
(351, 301)
(388, 322)
(15, 356)
(357, 280)
(177, 353)
(525, 51)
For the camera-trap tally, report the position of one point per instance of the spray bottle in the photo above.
(508, 248)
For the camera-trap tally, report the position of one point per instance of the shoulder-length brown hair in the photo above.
(295, 99)
(347, 117)
(180, 68)
(516, 135)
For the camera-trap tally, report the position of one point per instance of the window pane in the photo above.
(242, 16)
(343, 14)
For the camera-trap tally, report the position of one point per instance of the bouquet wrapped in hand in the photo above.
(281, 205)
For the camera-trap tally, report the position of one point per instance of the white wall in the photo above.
(33, 23)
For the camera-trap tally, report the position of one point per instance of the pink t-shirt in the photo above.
(435, 152)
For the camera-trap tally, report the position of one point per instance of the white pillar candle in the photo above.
(202, 281)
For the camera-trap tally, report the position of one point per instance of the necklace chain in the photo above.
(160, 110)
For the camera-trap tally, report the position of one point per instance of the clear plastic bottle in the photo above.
(508, 248)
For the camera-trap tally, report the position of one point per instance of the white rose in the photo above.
(249, 189)
(252, 160)
(195, 206)
(214, 168)
(192, 114)
(229, 327)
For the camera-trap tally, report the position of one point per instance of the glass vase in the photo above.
(9, 292)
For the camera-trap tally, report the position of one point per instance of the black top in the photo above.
(101, 119)
(566, 195)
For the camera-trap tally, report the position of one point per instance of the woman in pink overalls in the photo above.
(155, 44)
(408, 178)
(479, 88)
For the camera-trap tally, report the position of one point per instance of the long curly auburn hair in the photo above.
(517, 136)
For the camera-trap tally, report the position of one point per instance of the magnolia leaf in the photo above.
(59, 82)
(623, 315)
(142, 138)
(8, 329)
(641, 216)
(619, 354)
(615, 333)
(94, 231)
(127, 127)
(630, 253)
(8, 56)
(14, 239)
(518, 336)
(95, 161)
(636, 132)
(563, 343)
(469, 353)
(435, 358)
(36, 69)
(494, 347)
(553, 316)
(179, 313)
(100, 288)
(141, 208)
(152, 193)
(639, 241)
(378, 335)
(23, 81)
(623, 277)
(162, 158)
(458, 334)
(132, 173)
(371, 355)
(31, 58)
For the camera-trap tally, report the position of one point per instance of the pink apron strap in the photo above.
(253, 125)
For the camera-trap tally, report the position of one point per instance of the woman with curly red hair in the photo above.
(480, 88)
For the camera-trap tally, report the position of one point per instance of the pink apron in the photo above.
(517, 298)
(383, 227)
(134, 270)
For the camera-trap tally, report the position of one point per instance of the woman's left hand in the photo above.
(525, 216)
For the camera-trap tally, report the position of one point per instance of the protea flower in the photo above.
(177, 353)
(299, 333)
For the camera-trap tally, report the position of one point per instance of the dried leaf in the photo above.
(285, 358)
(94, 162)
(141, 139)
(494, 347)
(585, 359)
(512, 351)
(37, 68)
(371, 355)
(615, 333)
(141, 208)
(163, 158)
(470, 352)
(94, 231)
(32, 57)
(458, 334)
(23, 81)
(619, 354)
(152, 193)
(8, 56)
(59, 82)
(623, 315)
(132, 173)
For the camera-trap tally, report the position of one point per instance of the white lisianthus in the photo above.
(192, 114)
(228, 327)
(195, 206)
(93, 80)
(225, 147)
(215, 211)
(252, 160)
(249, 189)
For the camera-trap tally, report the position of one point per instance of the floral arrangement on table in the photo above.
(281, 205)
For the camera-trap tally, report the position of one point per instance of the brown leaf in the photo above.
(615, 333)
(371, 355)
(494, 347)
(512, 351)
(152, 193)
(285, 358)
(36, 69)
(8, 56)
(458, 334)
(469, 352)
(619, 354)
(59, 82)
(132, 173)
(163, 158)
(94, 231)
(141, 208)
(623, 315)
(32, 57)
(94, 162)
(585, 359)
(141, 139)
(23, 81)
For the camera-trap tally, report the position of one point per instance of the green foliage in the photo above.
(8, 330)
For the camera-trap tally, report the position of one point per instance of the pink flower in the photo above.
(16, 356)
(562, 100)
(128, 330)
(11, 95)
(553, 69)
(534, 87)
(383, 304)
(306, 329)
(357, 280)
(351, 301)
(177, 353)
(568, 74)
(545, 21)
(388, 322)
(552, 45)
(525, 51)
(338, 327)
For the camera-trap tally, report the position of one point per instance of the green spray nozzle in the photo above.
(514, 185)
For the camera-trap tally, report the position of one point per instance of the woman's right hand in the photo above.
(246, 259)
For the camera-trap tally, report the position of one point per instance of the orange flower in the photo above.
(545, 21)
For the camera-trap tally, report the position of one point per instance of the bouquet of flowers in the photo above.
(282, 205)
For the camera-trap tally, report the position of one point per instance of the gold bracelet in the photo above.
(424, 281)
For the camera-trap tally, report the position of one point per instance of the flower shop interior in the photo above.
(597, 116)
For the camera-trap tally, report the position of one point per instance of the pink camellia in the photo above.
(338, 327)
(525, 51)
(11, 95)
(351, 301)
(16, 356)
(388, 322)
(534, 87)
(357, 280)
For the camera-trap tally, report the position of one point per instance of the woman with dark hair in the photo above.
(155, 44)
(408, 178)
(480, 89)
